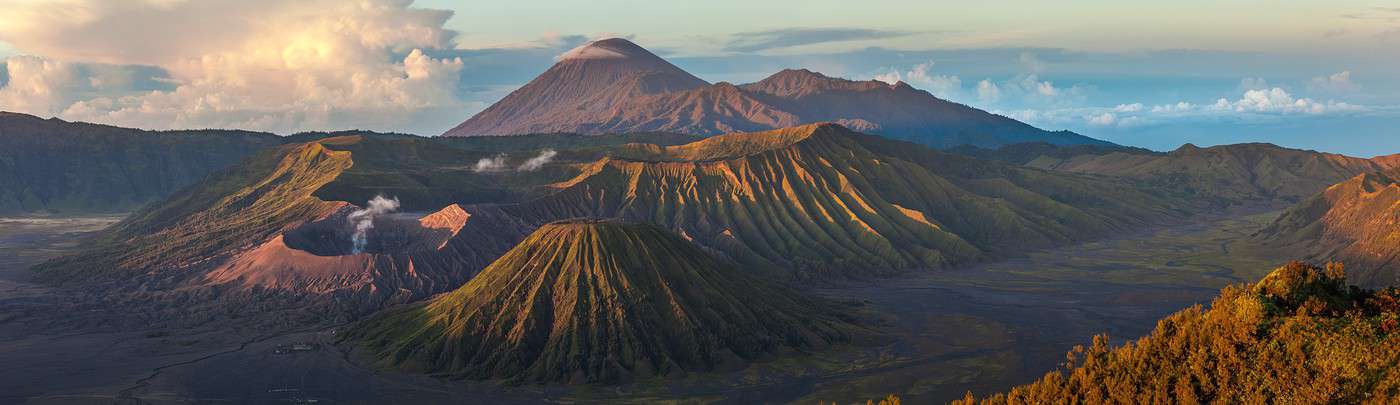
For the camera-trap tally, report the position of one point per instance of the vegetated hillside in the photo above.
(822, 201)
(1227, 174)
(600, 301)
(818, 201)
(1356, 221)
(1300, 335)
(284, 221)
(231, 210)
(55, 166)
(613, 85)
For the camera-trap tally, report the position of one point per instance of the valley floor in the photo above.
(984, 329)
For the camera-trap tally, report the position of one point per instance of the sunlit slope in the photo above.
(279, 222)
(824, 200)
(1354, 221)
(599, 301)
(228, 211)
(1300, 335)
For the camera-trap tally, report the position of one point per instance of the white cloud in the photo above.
(891, 77)
(492, 164)
(1031, 63)
(988, 92)
(1103, 120)
(1128, 108)
(269, 65)
(921, 76)
(538, 161)
(1032, 91)
(1339, 82)
(1180, 106)
(38, 85)
(1279, 101)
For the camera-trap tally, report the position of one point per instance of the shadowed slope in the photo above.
(51, 165)
(1300, 335)
(599, 301)
(1228, 174)
(1354, 221)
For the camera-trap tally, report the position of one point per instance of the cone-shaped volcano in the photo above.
(593, 80)
(585, 301)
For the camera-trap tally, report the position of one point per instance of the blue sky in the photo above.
(1317, 75)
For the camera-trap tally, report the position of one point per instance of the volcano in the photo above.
(600, 301)
(615, 86)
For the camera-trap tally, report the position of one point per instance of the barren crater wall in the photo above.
(392, 233)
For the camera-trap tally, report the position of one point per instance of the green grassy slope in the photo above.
(287, 187)
(231, 210)
(1300, 335)
(823, 200)
(597, 302)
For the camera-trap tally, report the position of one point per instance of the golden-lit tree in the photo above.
(1300, 335)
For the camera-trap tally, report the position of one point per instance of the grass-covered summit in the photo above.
(599, 301)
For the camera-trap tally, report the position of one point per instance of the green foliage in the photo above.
(1300, 335)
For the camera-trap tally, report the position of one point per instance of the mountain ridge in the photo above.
(1353, 222)
(600, 95)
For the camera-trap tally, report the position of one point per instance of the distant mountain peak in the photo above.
(615, 86)
(609, 48)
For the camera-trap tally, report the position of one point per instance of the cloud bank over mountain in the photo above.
(416, 66)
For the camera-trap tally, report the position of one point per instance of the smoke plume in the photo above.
(491, 164)
(534, 163)
(363, 219)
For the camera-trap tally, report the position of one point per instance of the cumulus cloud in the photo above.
(1277, 100)
(1180, 106)
(1128, 108)
(39, 85)
(890, 77)
(1031, 90)
(534, 163)
(988, 92)
(1104, 119)
(1031, 62)
(921, 76)
(269, 65)
(1339, 82)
